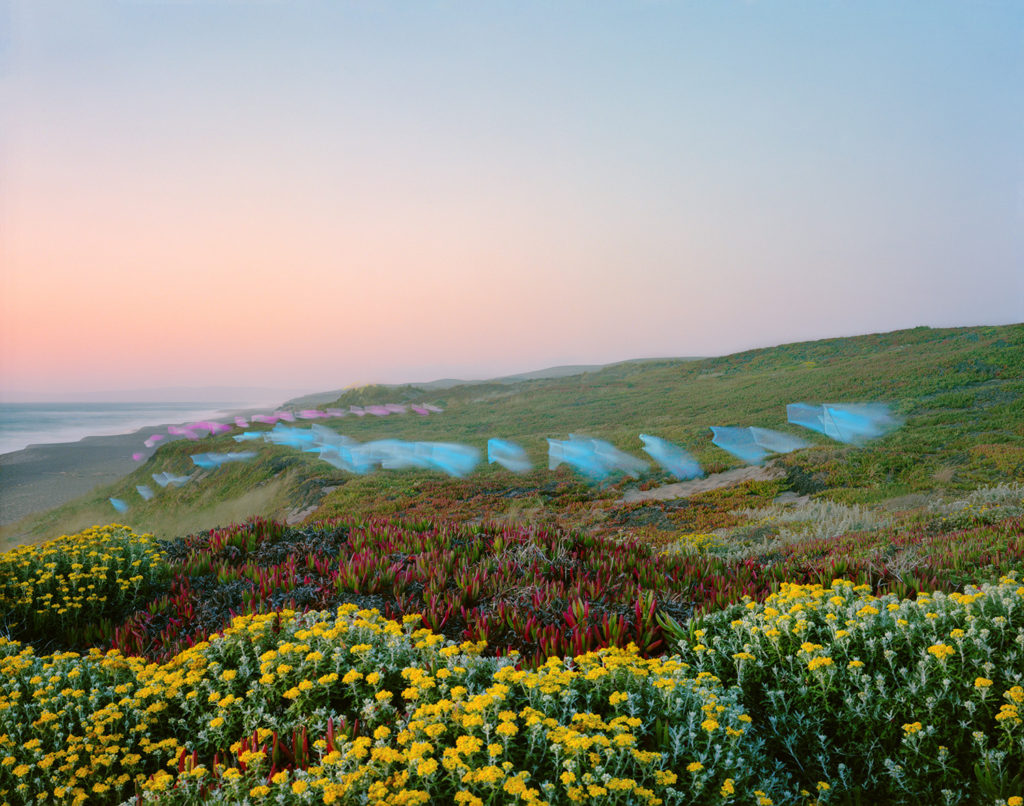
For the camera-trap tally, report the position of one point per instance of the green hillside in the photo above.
(845, 626)
(961, 391)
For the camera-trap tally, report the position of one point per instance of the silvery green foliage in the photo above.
(772, 527)
(999, 495)
(822, 519)
(883, 699)
(986, 505)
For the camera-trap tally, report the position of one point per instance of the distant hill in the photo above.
(960, 390)
(322, 398)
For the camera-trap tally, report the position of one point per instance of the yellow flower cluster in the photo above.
(265, 712)
(63, 584)
(941, 651)
(825, 661)
(694, 543)
(441, 723)
(77, 726)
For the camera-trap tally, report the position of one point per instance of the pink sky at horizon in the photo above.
(233, 194)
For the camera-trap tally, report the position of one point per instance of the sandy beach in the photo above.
(41, 477)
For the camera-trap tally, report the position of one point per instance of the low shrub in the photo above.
(883, 700)
(303, 708)
(71, 590)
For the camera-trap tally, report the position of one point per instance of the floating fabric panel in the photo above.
(163, 479)
(777, 441)
(672, 458)
(334, 456)
(578, 456)
(858, 422)
(507, 454)
(322, 435)
(614, 459)
(395, 454)
(292, 437)
(212, 460)
(852, 423)
(181, 431)
(210, 426)
(739, 442)
(451, 458)
(807, 416)
(594, 458)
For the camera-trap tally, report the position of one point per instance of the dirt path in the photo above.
(715, 481)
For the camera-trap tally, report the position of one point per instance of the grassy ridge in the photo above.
(826, 652)
(961, 391)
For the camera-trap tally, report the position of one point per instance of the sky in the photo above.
(309, 195)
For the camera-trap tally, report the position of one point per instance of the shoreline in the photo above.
(44, 476)
(111, 420)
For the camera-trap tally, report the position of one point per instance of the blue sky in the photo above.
(326, 193)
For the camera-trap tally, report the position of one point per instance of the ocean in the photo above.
(24, 424)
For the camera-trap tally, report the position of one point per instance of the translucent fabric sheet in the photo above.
(163, 479)
(739, 442)
(852, 423)
(213, 460)
(509, 455)
(777, 441)
(594, 458)
(672, 458)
